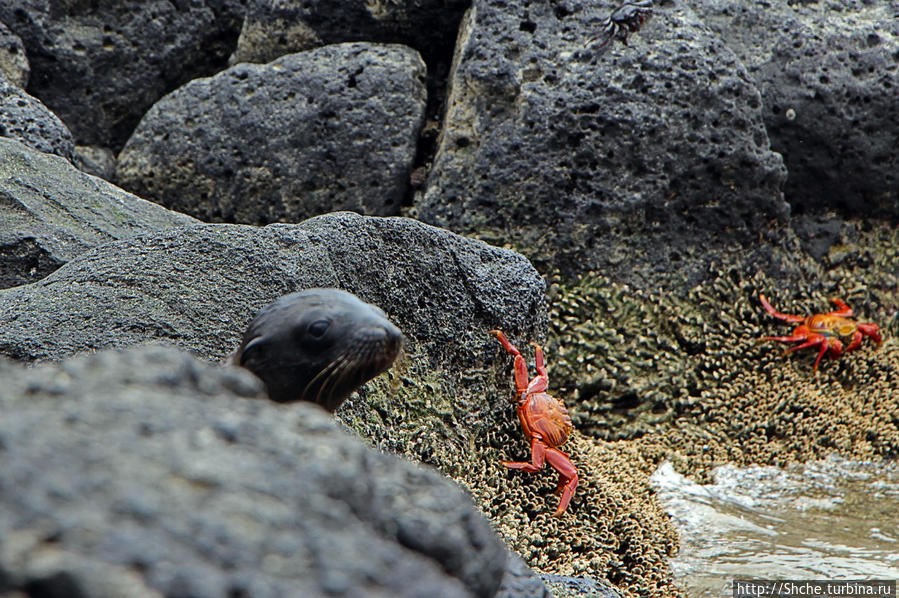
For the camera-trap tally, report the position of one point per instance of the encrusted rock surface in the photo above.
(50, 212)
(828, 73)
(101, 65)
(625, 159)
(463, 422)
(26, 119)
(333, 128)
(272, 29)
(13, 60)
(689, 373)
(149, 473)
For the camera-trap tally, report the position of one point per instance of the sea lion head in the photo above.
(318, 345)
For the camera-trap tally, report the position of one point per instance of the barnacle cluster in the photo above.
(713, 394)
(613, 529)
(647, 376)
(411, 411)
(617, 352)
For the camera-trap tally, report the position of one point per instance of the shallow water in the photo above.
(832, 519)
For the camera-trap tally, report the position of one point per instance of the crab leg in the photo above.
(541, 381)
(538, 361)
(835, 346)
(812, 341)
(521, 377)
(538, 457)
(844, 312)
(785, 339)
(520, 367)
(872, 330)
(542, 454)
(504, 341)
(855, 342)
(785, 317)
(824, 348)
(567, 477)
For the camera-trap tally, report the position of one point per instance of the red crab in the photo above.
(545, 421)
(828, 331)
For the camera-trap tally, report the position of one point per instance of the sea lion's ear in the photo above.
(252, 350)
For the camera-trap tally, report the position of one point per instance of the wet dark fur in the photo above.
(318, 345)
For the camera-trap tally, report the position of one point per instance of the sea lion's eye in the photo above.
(318, 328)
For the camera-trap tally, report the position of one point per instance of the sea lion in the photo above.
(318, 345)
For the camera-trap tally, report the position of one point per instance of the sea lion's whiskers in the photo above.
(325, 372)
(334, 377)
(349, 363)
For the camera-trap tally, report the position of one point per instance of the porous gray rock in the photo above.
(566, 585)
(50, 212)
(273, 28)
(13, 60)
(636, 160)
(26, 119)
(199, 286)
(149, 473)
(520, 580)
(828, 73)
(333, 128)
(100, 65)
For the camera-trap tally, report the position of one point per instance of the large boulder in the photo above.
(101, 65)
(272, 29)
(199, 286)
(638, 160)
(26, 119)
(149, 473)
(828, 78)
(50, 212)
(329, 129)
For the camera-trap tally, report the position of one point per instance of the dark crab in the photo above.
(624, 20)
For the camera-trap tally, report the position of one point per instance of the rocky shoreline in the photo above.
(166, 169)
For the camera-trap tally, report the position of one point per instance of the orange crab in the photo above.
(545, 421)
(828, 331)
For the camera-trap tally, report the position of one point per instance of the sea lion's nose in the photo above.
(384, 333)
(395, 338)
